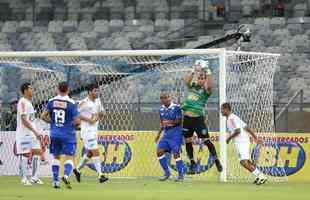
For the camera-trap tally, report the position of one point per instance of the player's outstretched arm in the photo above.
(235, 134)
(28, 125)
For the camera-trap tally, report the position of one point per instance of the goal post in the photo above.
(129, 85)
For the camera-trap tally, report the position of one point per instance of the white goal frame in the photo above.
(222, 55)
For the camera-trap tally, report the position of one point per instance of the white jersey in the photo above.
(233, 123)
(24, 107)
(87, 108)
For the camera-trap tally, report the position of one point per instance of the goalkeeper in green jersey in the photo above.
(193, 110)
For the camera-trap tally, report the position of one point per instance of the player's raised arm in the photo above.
(188, 78)
(209, 81)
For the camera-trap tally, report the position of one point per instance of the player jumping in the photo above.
(170, 122)
(27, 136)
(238, 132)
(62, 113)
(193, 110)
(90, 111)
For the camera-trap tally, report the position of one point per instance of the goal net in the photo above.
(130, 83)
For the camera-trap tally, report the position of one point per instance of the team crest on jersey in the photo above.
(60, 104)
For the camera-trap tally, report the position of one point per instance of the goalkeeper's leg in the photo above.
(188, 133)
(203, 133)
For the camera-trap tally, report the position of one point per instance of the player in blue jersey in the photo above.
(170, 123)
(61, 112)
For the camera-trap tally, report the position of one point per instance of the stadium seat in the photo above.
(302, 43)
(86, 26)
(116, 25)
(130, 13)
(261, 23)
(295, 29)
(247, 8)
(90, 39)
(279, 35)
(300, 10)
(176, 24)
(10, 27)
(55, 27)
(69, 26)
(102, 27)
(277, 23)
(147, 29)
(25, 26)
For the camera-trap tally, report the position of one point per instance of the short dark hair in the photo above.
(164, 94)
(227, 106)
(63, 86)
(91, 86)
(24, 87)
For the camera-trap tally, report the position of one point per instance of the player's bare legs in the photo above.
(35, 165)
(95, 156)
(23, 162)
(260, 178)
(164, 164)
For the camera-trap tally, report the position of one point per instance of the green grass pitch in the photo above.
(144, 189)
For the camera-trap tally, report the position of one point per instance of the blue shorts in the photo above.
(172, 145)
(60, 146)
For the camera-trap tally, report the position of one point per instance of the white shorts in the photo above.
(26, 143)
(90, 142)
(243, 150)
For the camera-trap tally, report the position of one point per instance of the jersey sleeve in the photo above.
(22, 107)
(160, 115)
(233, 124)
(81, 106)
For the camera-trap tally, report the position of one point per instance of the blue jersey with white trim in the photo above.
(173, 112)
(62, 111)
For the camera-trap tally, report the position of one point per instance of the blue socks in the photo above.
(164, 164)
(68, 167)
(180, 166)
(55, 170)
